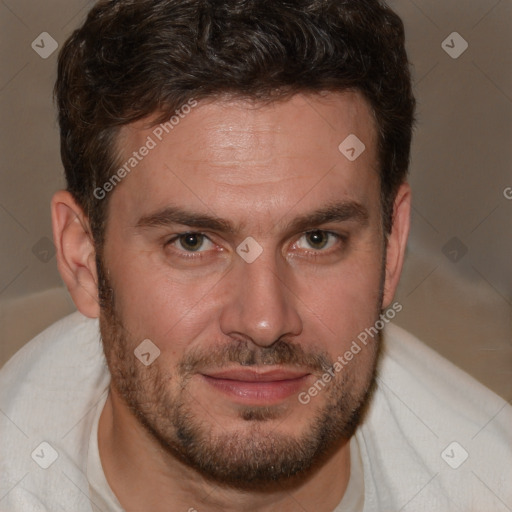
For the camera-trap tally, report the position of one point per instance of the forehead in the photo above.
(270, 156)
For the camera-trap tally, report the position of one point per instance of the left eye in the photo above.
(317, 240)
(192, 242)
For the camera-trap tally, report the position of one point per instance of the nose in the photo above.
(260, 304)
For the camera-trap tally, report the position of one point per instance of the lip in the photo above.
(257, 387)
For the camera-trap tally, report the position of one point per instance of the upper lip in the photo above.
(257, 375)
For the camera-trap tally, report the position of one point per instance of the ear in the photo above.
(76, 256)
(397, 242)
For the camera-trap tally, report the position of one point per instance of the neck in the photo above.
(144, 476)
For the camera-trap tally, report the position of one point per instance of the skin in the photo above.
(260, 168)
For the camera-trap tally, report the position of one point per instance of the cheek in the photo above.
(343, 303)
(166, 308)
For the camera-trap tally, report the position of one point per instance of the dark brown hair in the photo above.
(136, 58)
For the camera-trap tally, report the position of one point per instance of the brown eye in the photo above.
(191, 242)
(317, 239)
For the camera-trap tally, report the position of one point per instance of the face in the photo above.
(250, 251)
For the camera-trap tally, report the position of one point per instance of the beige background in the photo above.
(457, 298)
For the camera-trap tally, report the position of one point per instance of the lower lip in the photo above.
(258, 392)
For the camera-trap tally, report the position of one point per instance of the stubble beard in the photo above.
(256, 454)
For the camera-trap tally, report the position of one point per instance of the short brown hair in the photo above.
(136, 58)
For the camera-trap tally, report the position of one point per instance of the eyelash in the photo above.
(341, 240)
(188, 254)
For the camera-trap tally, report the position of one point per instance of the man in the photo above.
(232, 235)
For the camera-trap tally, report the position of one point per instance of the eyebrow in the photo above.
(173, 215)
(342, 211)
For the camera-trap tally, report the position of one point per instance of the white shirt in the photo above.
(434, 439)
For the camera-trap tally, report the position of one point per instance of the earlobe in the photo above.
(397, 242)
(76, 257)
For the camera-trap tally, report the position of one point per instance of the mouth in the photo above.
(257, 386)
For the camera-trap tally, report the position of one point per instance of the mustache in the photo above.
(246, 354)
